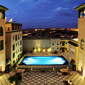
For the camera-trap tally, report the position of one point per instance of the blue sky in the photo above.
(43, 13)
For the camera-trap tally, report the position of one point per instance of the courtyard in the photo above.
(46, 78)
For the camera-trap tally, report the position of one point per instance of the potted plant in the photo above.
(15, 79)
(73, 64)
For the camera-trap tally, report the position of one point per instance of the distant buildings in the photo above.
(52, 33)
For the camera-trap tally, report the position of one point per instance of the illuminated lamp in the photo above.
(43, 50)
(39, 49)
(35, 50)
(49, 50)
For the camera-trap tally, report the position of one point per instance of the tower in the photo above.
(2, 37)
(81, 38)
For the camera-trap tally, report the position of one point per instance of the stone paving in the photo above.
(47, 78)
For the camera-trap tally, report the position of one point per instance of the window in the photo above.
(1, 45)
(20, 42)
(81, 14)
(18, 27)
(82, 44)
(53, 43)
(1, 15)
(57, 43)
(20, 49)
(15, 37)
(18, 36)
(63, 43)
(16, 52)
(14, 47)
(12, 27)
(8, 28)
(13, 55)
(57, 47)
(16, 44)
(1, 31)
(15, 27)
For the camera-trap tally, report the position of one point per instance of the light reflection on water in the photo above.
(47, 60)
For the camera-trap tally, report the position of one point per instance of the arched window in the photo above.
(1, 15)
(1, 31)
(8, 28)
(82, 44)
(1, 45)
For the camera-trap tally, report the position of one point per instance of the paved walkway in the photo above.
(47, 78)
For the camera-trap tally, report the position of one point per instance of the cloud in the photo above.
(61, 11)
(42, 3)
(20, 2)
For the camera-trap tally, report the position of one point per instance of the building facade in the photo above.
(81, 38)
(2, 38)
(51, 44)
(73, 51)
(13, 41)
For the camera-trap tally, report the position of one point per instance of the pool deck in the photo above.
(47, 78)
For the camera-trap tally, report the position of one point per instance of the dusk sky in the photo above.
(43, 13)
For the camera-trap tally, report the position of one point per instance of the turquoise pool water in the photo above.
(44, 60)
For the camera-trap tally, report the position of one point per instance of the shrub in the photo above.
(15, 78)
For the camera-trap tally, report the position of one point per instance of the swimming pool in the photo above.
(44, 60)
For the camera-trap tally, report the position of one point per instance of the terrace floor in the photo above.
(47, 78)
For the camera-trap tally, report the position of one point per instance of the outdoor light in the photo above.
(43, 50)
(49, 50)
(39, 49)
(35, 50)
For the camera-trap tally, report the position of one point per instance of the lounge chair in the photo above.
(59, 73)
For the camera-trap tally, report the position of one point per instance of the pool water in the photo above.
(44, 60)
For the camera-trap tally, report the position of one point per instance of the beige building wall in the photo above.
(73, 54)
(28, 45)
(2, 52)
(81, 35)
(10, 41)
(55, 45)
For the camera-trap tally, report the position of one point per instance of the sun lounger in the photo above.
(59, 73)
(23, 74)
(64, 70)
(20, 70)
(12, 73)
